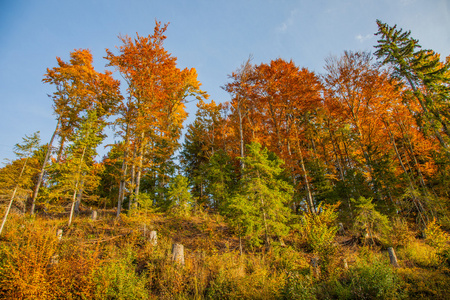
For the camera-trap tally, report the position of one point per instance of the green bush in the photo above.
(436, 237)
(371, 279)
(319, 231)
(117, 279)
(420, 254)
(299, 287)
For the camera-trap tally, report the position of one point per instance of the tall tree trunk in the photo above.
(336, 154)
(416, 201)
(41, 173)
(139, 168)
(77, 183)
(123, 174)
(277, 129)
(241, 136)
(61, 148)
(80, 195)
(368, 160)
(309, 197)
(410, 150)
(133, 175)
(340, 168)
(266, 229)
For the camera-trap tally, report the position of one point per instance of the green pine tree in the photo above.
(178, 196)
(259, 206)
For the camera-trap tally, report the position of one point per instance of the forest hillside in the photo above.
(302, 186)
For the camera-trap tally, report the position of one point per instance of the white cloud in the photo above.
(363, 38)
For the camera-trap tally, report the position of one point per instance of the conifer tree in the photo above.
(424, 73)
(260, 203)
(221, 179)
(178, 196)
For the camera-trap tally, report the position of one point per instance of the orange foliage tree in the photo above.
(153, 115)
(80, 91)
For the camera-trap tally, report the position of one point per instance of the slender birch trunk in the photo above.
(41, 174)
(139, 169)
(72, 208)
(123, 175)
(132, 174)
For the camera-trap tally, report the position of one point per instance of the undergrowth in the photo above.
(114, 259)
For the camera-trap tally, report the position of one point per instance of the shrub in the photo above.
(319, 231)
(425, 283)
(246, 278)
(25, 261)
(36, 265)
(436, 237)
(419, 254)
(287, 259)
(372, 279)
(117, 279)
(298, 287)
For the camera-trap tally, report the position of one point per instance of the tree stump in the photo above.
(94, 215)
(54, 260)
(59, 234)
(315, 270)
(345, 263)
(153, 239)
(178, 254)
(393, 257)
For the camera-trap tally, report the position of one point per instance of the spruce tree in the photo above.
(424, 73)
(259, 206)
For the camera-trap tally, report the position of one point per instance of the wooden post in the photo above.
(315, 270)
(153, 238)
(178, 254)
(94, 215)
(393, 257)
(59, 234)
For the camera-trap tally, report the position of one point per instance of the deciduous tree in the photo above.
(153, 115)
(80, 90)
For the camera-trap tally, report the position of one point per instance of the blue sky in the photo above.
(214, 37)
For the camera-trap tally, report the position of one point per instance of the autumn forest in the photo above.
(293, 189)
